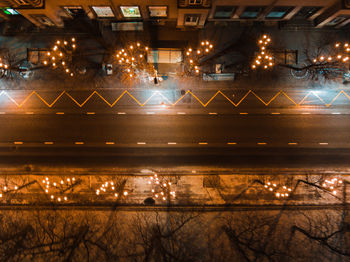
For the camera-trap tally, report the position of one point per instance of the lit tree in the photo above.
(264, 58)
(162, 187)
(194, 56)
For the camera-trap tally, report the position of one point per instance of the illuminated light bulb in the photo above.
(132, 58)
(152, 190)
(45, 62)
(74, 46)
(258, 62)
(270, 58)
(63, 63)
(16, 187)
(73, 39)
(188, 53)
(270, 64)
(125, 193)
(331, 187)
(321, 58)
(59, 199)
(284, 187)
(191, 61)
(337, 45)
(266, 186)
(264, 36)
(112, 183)
(58, 42)
(282, 195)
(207, 50)
(202, 43)
(156, 195)
(97, 192)
(268, 40)
(117, 55)
(210, 46)
(155, 175)
(120, 61)
(67, 70)
(0, 195)
(198, 51)
(286, 194)
(113, 187)
(65, 198)
(190, 50)
(131, 47)
(207, 43)
(61, 54)
(127, 60)
(329, 58)
(48, 53)
(266, 57)
(340, 181)
(162, 193)
(289, 189)
(141, 56)
(324, 185)
(47, 186)
(65, 42)
(55, 47)
(262, 53)
(46, 178)
(146, 48)
(44, 181)
(157, 182)
(71, 74)
(169, 183)
(54, 184)
(53, 58)
(260, 42)
(52, 196)
(61, 181)
(346, 45)
(263, 48)
(265, 66)
(268, 183)
(164, 198)
(138, 44)
(130, 75)
(277, 194)
(334, 192)
(271, 189)
(197, 71)
(164, 184)
(347, 49)
(149, 182)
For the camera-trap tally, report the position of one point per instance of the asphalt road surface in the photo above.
(225, 140)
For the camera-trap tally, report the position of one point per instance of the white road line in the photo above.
(232, 143)
(306, 113)
(141, 143)
(323, 144)
(59, 113)
(48, 143)
(90, 113)
(121, 113)
(202, 143)
(29, 113)
(243, 113)
(292, 143)
(79, 143)
(150, 113)
(18, 143)
(213, 113)
(171, 143)
(336, 113)
(275, 113)
(110, 143)
(181, 113)
(261, 143)
(2, 113)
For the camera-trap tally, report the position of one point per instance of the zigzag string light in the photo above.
(204, 104)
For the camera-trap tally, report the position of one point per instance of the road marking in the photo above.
(213, 113)
(292, 143)
(29, 113)
(262, 143)
(181, 113)
(59, 113)
(48, 143)
(203, 143)
(150, 113)
(141, 143)
(18, 143)
(79, 143)
(2, 113)
(232, 143)
(306, 113)
(121, 113)
(244, 113)
(336, 113)
(90, 113)
(171, 143)
(323, 144)
(109, 143)
(275, 113)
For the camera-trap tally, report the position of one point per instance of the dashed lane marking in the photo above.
(141, 143)
(292, 143)
(79, 143)
(261, 143)
(323, 144)
(110, 143)
(59, 113)
(202, 143)
(18, 143)
(232, 143)
(171, 143)
(90, 113)
(121, 113)
(243, 113)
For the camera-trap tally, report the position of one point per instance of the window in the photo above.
(224, 12)
(308, 11)
(103, 11)
(191, 20)
(74, 10)
(195, 2)
(338, 20)
(130, 11)
(43, 19)
(10, 11)
(158, 11)
(251, 12)
(279, 12)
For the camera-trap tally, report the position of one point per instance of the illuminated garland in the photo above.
(193, 56)
(61, 55)
(110, 187)
(341, 51)
(264, 58)
(280, 191)
(57, 189)
(332, 184)
(161, 188)
(132, 61)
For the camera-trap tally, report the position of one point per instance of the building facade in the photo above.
(129, 15)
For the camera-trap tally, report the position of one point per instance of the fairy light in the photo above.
(161, 187)
(263, 58)
(58, 189)
(193, 56)
(278, 190)
(332, 184)
(110, 187)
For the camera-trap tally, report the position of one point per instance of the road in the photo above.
(227, 140)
